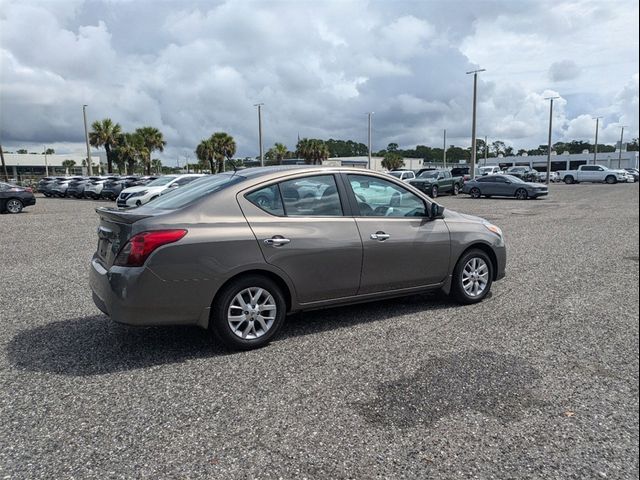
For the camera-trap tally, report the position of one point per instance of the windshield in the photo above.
(433, 174)
(161, 181)
(396, 174)
(513, 179)
(195, 190)
(486, 169)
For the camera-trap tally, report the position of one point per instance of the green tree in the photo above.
(128, 151)
(105, 133)
(68, 164)
(21, 151)
(224, 147)
(392, 161)
(312, 150)
(152, 140)
(632, 146)
(156, 165)
(205, 152)
(49, 151)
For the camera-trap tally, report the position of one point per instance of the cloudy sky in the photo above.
(191, 68)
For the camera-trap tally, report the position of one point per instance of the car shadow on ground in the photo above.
(95, 345)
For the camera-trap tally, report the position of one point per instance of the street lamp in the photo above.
(444, 149)
(551, 99)
(86, 137)
(472, 170)
(369, 148)
(259, 105)
(595, 147)
(620, 149)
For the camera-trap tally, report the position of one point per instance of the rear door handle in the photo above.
(380, 236)
(277, 241)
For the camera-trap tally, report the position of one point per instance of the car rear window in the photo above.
(195, 190)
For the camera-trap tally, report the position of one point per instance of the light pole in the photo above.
(620, 150)
(472, 170)
(86, 138)
(486, 150)
(46, 163)
(551, 99)
(595, 147)
(369, 144)
(444, 149)
(259, 105)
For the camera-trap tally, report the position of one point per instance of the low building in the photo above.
(565, 161)
(22, 166)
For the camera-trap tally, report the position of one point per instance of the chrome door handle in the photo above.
(277, 241)
(380, 236)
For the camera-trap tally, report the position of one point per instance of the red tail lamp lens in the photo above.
(140, 246)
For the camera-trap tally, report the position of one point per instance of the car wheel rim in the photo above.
(252, 313)
(522, 194)
(475, 277)
(475, 193)
(13, 206)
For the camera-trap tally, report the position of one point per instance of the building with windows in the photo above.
(21, 166)
(565, 161)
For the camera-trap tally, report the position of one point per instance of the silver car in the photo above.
(236, 252)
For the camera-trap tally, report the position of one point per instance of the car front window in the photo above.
(428, 175)
(380, 198)
(159, 182)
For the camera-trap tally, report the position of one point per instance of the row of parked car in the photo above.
(127, 191)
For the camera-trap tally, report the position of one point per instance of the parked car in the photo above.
(46, 185)
(554, 177)
(463, 172)
(209, 255)
(634, 173)
(76, 187)
(504, 186)
(93, 189)
(136, 196)
(494, 170)
(593, 173)
(14, 198)
(404, 175)
(112, 188)
(59, 188)
(435, 182)
(525, 173)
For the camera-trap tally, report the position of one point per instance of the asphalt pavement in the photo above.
(538, 381)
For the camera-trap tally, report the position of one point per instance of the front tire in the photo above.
(248, 312)
(569, 180)
(472, 277)
(434, 191)
(610, 180)
(521, 194)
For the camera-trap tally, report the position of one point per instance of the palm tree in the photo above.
(156, 164)
(105, 134)
(128, 150)
(152, 140)
(313, 151)
(224, 147)
(205, 151)
(280, 151)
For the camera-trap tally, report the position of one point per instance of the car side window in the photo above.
(380, 198)
(184, 180)
(315, 196)
(268, 199)
(483, 179)
(499, 179)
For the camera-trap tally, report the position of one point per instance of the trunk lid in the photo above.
(114, 231)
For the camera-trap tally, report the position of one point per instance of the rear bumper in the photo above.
(137, 296)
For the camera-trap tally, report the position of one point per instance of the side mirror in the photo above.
(436, 211)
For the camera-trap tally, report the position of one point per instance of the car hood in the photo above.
(142, 188)
(422, 180)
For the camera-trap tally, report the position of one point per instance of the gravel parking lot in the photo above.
(538, 381)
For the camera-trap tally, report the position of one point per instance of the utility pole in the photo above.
(4, 165)
(259, 105)
(444, 149)
(369, 136)
(472, 169)
(46, 163)
(86, 137)
(620, 150)
(551, 99)
(486, 150)
(595, 147)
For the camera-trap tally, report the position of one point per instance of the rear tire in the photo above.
(475, 193)
(13, 205)
(466, 276)
(456, 189)
(229, 321)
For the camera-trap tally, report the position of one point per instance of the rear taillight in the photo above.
(140, 246)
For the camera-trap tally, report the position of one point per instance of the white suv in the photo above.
(136, 196)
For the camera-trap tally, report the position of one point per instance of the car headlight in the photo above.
(493, 228)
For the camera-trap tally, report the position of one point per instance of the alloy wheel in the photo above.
(252, 313)
(475, 193)
(521, 194)
(475, 277)
(14, 206)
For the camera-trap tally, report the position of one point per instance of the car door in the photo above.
(446, 181)
(306, 235)
(501, 186)
(402, 248)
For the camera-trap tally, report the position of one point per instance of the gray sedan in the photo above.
(504, 186)
(236, 252)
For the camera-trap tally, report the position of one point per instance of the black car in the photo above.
(504, 186)
(14, 198)
(112, 188)
(525, 173)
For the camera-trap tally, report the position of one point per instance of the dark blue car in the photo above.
(14, 198)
